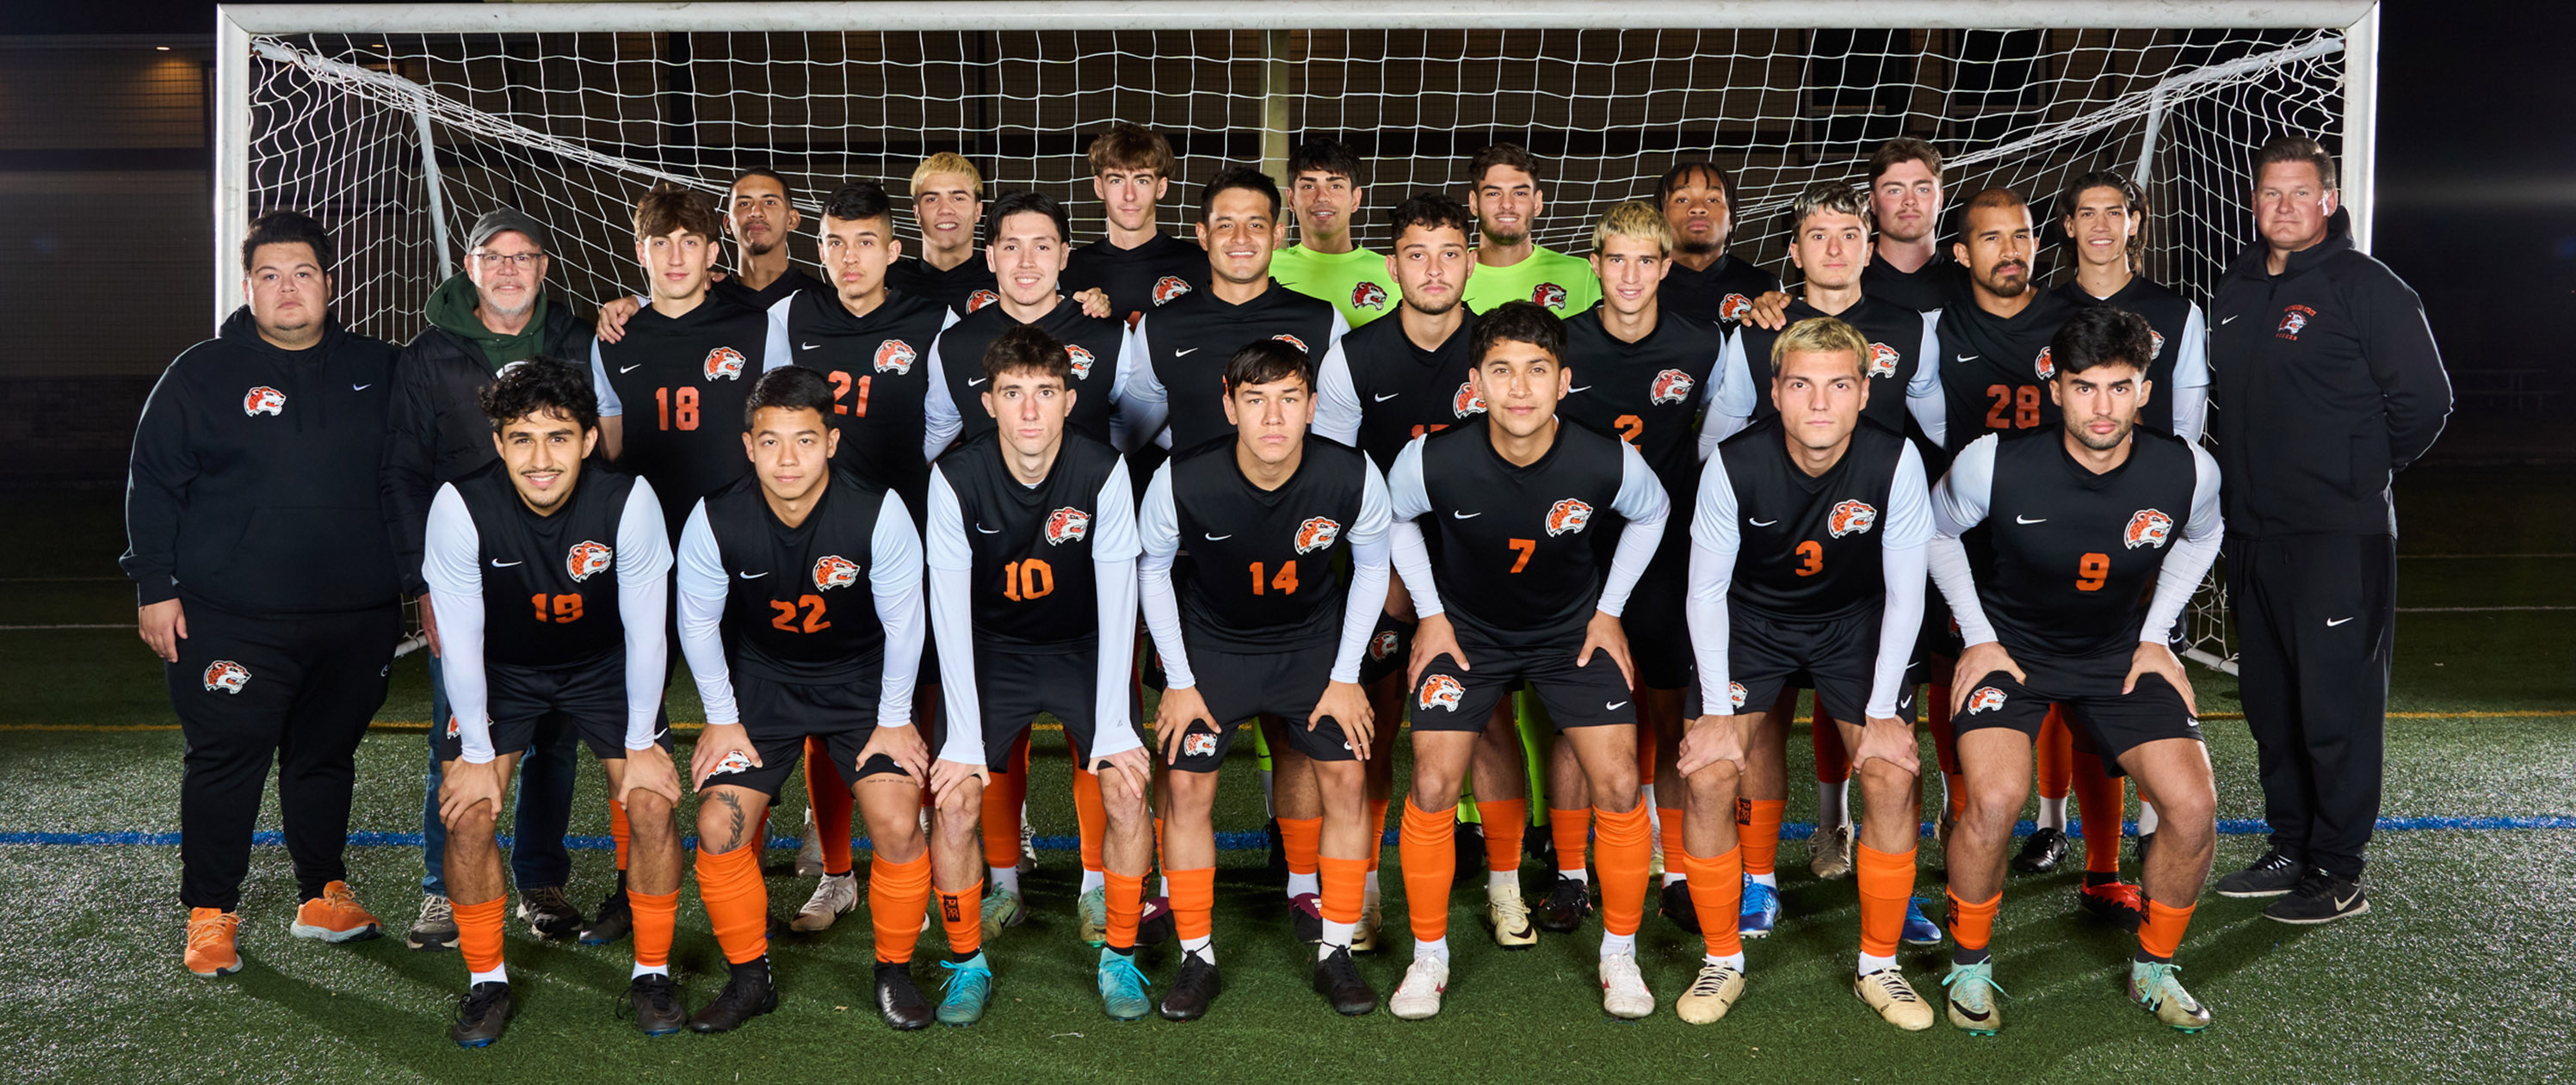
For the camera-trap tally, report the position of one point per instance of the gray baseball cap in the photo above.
(502, 220)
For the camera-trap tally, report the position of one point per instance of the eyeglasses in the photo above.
(521, 260)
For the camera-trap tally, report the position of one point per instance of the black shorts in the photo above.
(1836, 657)
(1656, 619)
(589, 697)
(1448, 698)
(1238, 686)
(1390, 647)
(780, 716)
(2107, 722)
(1013, 687)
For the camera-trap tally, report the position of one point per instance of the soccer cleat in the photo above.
(1623, 990)
(1710, 995)
(1154, 923)
(1003, 909)
(1509, 916)
(2319, 898)
(2269, 876)
(436, 927)
(968, 990)
(481, 1015)
(1337, 978)
(656, 1002)
(1761, 910)
(1829, 853)
(549, 914)
(1568, 901)
(809, 851)
(1417, 998)
(1887, 992)
(2116, 903)
(1372, 916)
(614, 920)
(1306, 917)
(1028, 849)
(746, 995)
(898, 1001)
(211, 951)
(836, 895)
(1676, 906)
(2157, 989)
(1122, 987)
(1919, 928)
(1973, 998)
(2042, 852)
(1094, 907)
(1194, 989)
(335, 917)
(1468, 842)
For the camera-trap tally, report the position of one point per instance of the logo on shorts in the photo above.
(263, 400)
(1316, 533)
(1568, 516)
(1882, 360)
(734, 761)
(1851, 518)
(1735, 694)
(587, 557)
(1986, 697)
(894, 356)
(724, 362)
(1382, 645)
(980, 299)
(1169, 287)
(1067, 524)
(834, 571)
(2147, 527)
(1082, 360)
(2047, 369)
(1198, 744)
(1291, 340)
(1466, 402)
(1671, 386)
(1368, 296)
(1734, 307)
(1440, 691)
(2293, 321)
(1549, 294)
(226, 675)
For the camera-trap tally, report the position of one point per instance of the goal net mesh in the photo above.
(398, 141)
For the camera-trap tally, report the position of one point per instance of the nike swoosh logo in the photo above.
(1571, 391)
(2342, 903)
(1613, 707)
(1465, 515)
(807, 346)
(2223, 320)
(976, 381)
(988, 530)
(360, 387)
(2020, 519)
(1220, 538)
(500, 564)
(1759, 523)
(1384, 398)
(751, 576)
(1970, 357)
(629, 368)
(2333, 622)
(1182, 351)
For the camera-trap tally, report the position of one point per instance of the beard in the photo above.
(1696, 248)
(2105, 444)
(2002, 287)
(1496, 235)
(1455, 296)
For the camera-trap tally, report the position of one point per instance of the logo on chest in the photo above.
(2148, 527)
(1671, 386)
(587, 557)
(1466, 402)
(894, 356)
(724, 363)
(1882, 360)
(1851, 518)
(1549, 294)
(1169, 287)
(1368, 296)
(1066, 525)
(2294, 320)
(980, 299)
(1733, 307)
(1291, 340)
(834, 571)
(263, 400)
(1317, 533)
(1567, 517)
(2158, 339)
(2047, 369)
(1082, 360)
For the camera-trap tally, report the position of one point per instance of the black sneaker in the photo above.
(1306, 917)
(1567, 903)
(482, 1015)
(549, 914)
(2269, 876)
(656, 1002)
(616, 919)
(1676, 906)
(1278, 864)
(747, 994)
(1469, 842)
(898, 1001)
(2320, 898)
(2042, 852)
(1337, 978)
(1194, 988)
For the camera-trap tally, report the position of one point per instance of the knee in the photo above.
(1434, 788)
(964, 805)
(647, 811)
(1193, 793)
(1994, 807)
(472, 829)
(1878, 777)
(1716, 785)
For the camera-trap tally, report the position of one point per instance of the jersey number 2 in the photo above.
(842, 386)
(786, 618)
(2023, 402)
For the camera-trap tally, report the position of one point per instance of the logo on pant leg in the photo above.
(1440, 691)
(1986, 697)
(736, 761)
(226, 675)
(1735, 694)
(1382, 645)
(1198, 744)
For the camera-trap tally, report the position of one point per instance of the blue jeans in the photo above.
(544, 814)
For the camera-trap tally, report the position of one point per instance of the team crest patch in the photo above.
(263, 400)
(1081, 359)
(2294, 320)
(1368, 296)
(980, 299)
(834, 571)
(894, 356)
(1549, 294)
(1851, 518)
(1317, 533)
(1382, 645)
(1440, 691)
(1291, 340)
(1169, 287)
(1466, 402)
(1198, 744)
(724, 363)
(1567, 517)
(2047, 369)
(2148, 527)
(1735, 695)
(455, 726)
(1066, 525)
(226, 676)
(734, 761)
(1671, 386)
(1734, 307)
(2158, 338)
(1986, 698)
(1882, 360)
(587, 557)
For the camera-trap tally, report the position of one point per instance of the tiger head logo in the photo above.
(1466, 402)
(1082, 360)
(1567, 516)
(2294, 320)
(894, 356)
(1882, 360)
(734, 761)
(1291, 340)
(980, 299)
(1734, 307)
(1368, 296)
(1440, 691)
(1198, 744)
(1382, 645)
(2147, 528)
(724, 363)
(1851, 518)
(263, 400)
(1550, 295)
(1986, 698)
(1067, 524)
(2156, 338)
(227, 676)
(834, 571)
(1671, 386)
(455, 726)
(1169, 287)
(1735, 695)
(1316, 533)
(587, 557)
(2047, 369)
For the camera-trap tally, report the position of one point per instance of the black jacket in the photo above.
(2324, 382)
(436, 432)
(253, 485)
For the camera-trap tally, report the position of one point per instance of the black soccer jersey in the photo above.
(1184, 346)
(1809, 548)
(1995, 369)
(680, 383)
(1939, 284)
(879, 366)
(962, 289)
(1267, 569)
(1094, 344)
(549, 582)
(1897, 336)
(798, 606)
(1646, 393)
(795, 282)
(1386, 391)
(1032, 581)
(1140, 279)
(2180, 341)
(1721, 294)
(2069, 559)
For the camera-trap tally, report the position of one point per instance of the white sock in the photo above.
(1204, 947)
(1869, 964)
(1618, 943)
(1674, 875)
(1769, 881)
(1369, 892)
(1830, 811)
(1336, 936)
(2146, 817)
(650, 970)
(1945, 793)
(1437, 948)
(2052, 813)
(1577, 873)
(1304, 883)
(1732, 960)
(500, 973)
(1093, 879)
(1502, 879)
(1165, 892)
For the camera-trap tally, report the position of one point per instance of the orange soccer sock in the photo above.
(737, 902)
(1091, 817)
(1000, 819)
(828, 792)
(1345, 883)
(1303, 840)
(1833, 762)
(656, 915)
(1193, 902)
(1973, 925)
(1645, 755)
(1717, 896)
(1945, 750)
(1625, 849)
(2054, 752)
(1377, 834)
(1886, 885)
(1126, 908)
(1758, 833)
(1506, 820)
(1572, 831)
(617, 830)
(2101, 799)
(1429, 856)
(478, 932)
(962, 912)
(898, 897)
(1672, 818)
(2161, 934)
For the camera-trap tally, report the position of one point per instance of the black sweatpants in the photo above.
(2316, 626)
(299, 688)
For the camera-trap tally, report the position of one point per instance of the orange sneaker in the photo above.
(210, 942)
(335, 917)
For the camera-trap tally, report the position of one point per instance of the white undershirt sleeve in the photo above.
(1923, 398)
(1113, 565)
(1902, 559)
(609, 407)
(2191, 378)
(1730, 396)
(1120, 437)
(704, 586)
(777, 351)
(1714, 542)
(1371, 547)
(1147, 405)
(1643, 502)
(2187, 563)
(1407, 501)
(643, 595)
(940, 418)
(895, 582)
(452, 565)
(1158, 525)
(950, 567)
(1337, 399)
(1960, 502)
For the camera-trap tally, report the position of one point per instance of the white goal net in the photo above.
(399, 138)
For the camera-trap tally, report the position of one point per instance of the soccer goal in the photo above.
(397, 125)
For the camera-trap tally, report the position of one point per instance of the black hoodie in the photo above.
(2324, 382)
(254, 479)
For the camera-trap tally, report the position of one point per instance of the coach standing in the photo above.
(265, 579)
(2327, 383)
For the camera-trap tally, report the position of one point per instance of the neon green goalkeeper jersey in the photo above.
(1562, 283)
(1355, 282)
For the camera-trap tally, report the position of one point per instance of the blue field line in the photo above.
(1255, 841)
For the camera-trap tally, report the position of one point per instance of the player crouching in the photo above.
(814, 576)
(549, 581)
(2079, 526)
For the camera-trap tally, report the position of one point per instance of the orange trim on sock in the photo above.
(1833, 762)
(1717, 897)
(1000, 818)
(1126, 908)
(2162, 932)
(1193, 901)
(737, 902)
(1377, 834)
(1428, 853)
(1673, 819)
(1572, 832)
(656, 916)
(478, 932)
(1625, 848)
(1973, 925)
(617, 830)
(962, 914)
(1091, 818)
(2096, 790)
(1758, 833)
(1506, 826)
(1886, 884)
(1345, 883)
(898, 896)
(1303, 840)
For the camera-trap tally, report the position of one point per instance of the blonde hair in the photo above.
(947, 162)
(1821, 335)
(1633, 219)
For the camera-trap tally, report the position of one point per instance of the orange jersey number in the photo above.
(786, 617)
(1026, 580)
(1812, 553)
(677, 407)
(842, 386)
(559, 609)
(1285, 583)
(2092, 571)
(2022, 402)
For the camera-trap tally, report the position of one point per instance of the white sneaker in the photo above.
(1509, 916)
(1830, 853)
(1623, 990)
(809, 855)
(835, 896)
(1710, 995)
(1418, 997)
(1364, 937)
